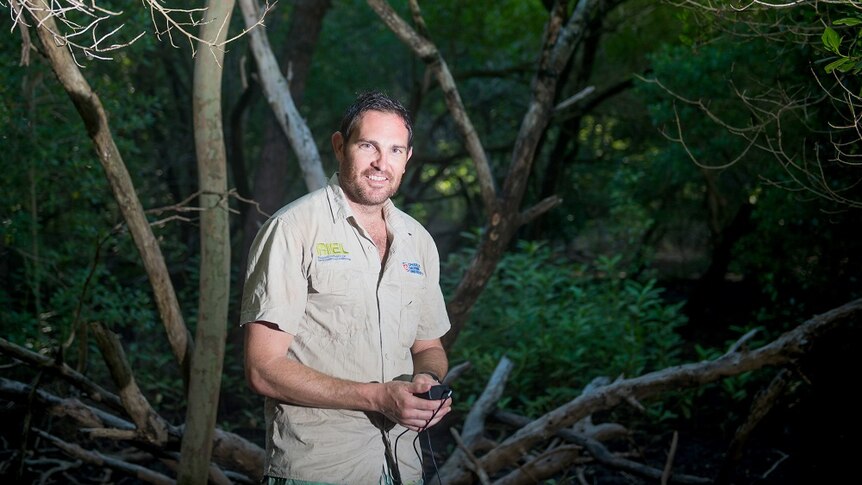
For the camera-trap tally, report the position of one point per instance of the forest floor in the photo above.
(809, 436)
(811, 440)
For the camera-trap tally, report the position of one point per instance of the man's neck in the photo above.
(367, 215)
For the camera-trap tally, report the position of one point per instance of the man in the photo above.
(343, 316)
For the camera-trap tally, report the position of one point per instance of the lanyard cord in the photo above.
(396, 475)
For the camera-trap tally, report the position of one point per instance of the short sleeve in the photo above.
(434, 322)
(276, 287)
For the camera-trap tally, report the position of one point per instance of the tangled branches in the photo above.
(94, 31)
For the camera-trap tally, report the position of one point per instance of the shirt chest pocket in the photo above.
(336, 306)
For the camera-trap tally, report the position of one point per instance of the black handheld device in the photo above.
(440, 391)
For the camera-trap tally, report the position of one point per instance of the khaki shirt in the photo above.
(317, 275)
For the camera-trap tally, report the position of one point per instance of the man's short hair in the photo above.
(374, 101)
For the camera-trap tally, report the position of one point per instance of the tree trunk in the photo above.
(95, 120)
(277, 93)
(563, 34)
(208, 356)
(270, 176)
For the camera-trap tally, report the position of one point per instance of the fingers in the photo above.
(438, 413)
(412, 412)
(420, 418)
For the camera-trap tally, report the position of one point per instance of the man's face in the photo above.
(373, 160)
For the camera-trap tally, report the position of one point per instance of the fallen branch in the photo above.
(781, 352)
(230, 450)
(151, 426)
(41, 362)
(100, 459)
(472, 461)
(599, 452)
(474, 423)
(763, 403)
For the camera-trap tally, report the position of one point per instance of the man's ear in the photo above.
(338, 145)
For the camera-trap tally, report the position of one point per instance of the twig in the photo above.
(472, 462)
(784, 456)
(668, 465)
(742, 341)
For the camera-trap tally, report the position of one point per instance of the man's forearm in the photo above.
(290, 381)
(431, 360)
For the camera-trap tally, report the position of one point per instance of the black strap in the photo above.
(394, 471)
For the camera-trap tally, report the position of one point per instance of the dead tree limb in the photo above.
(86, 416)
(593, 445)
(763, 403)
(787, 348)
(100, 459)
(95, 119)
(151, 426)
(230, 450)
(277, 91)
(430, 55)
(543, 466)
(38, 361)
(471, 461)
(474, 423)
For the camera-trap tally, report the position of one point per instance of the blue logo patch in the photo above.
(414, 268)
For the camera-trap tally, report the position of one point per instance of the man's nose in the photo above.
(381, 161)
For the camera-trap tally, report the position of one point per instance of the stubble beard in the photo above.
(362, 194)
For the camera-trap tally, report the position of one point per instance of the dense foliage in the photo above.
(563, 324)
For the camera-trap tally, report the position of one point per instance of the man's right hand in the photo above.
(398, 403)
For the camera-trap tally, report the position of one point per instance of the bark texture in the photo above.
(208, 357)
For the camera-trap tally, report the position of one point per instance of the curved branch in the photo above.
(430, 55)
(280, 100)
(95, 120)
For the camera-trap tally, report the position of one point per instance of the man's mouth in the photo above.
(377, 178)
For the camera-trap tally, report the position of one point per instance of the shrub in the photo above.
(562, 324)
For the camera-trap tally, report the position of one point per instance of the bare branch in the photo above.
(428, 52)
(39, 361)
(277, 91)
(100, 459)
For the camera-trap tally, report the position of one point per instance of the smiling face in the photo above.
(372, 162)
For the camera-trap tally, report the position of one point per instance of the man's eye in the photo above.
(366, 146)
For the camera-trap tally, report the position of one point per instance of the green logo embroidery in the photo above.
(329, 249)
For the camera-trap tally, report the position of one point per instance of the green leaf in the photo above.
(847, 65)
(849, 21)
(835, 65)
(831, 40)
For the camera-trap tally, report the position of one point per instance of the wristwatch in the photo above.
(433, 375)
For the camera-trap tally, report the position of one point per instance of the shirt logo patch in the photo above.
(332, 251)
(414, 268)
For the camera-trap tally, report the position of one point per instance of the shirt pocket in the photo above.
(336, 307)
(412, 297)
